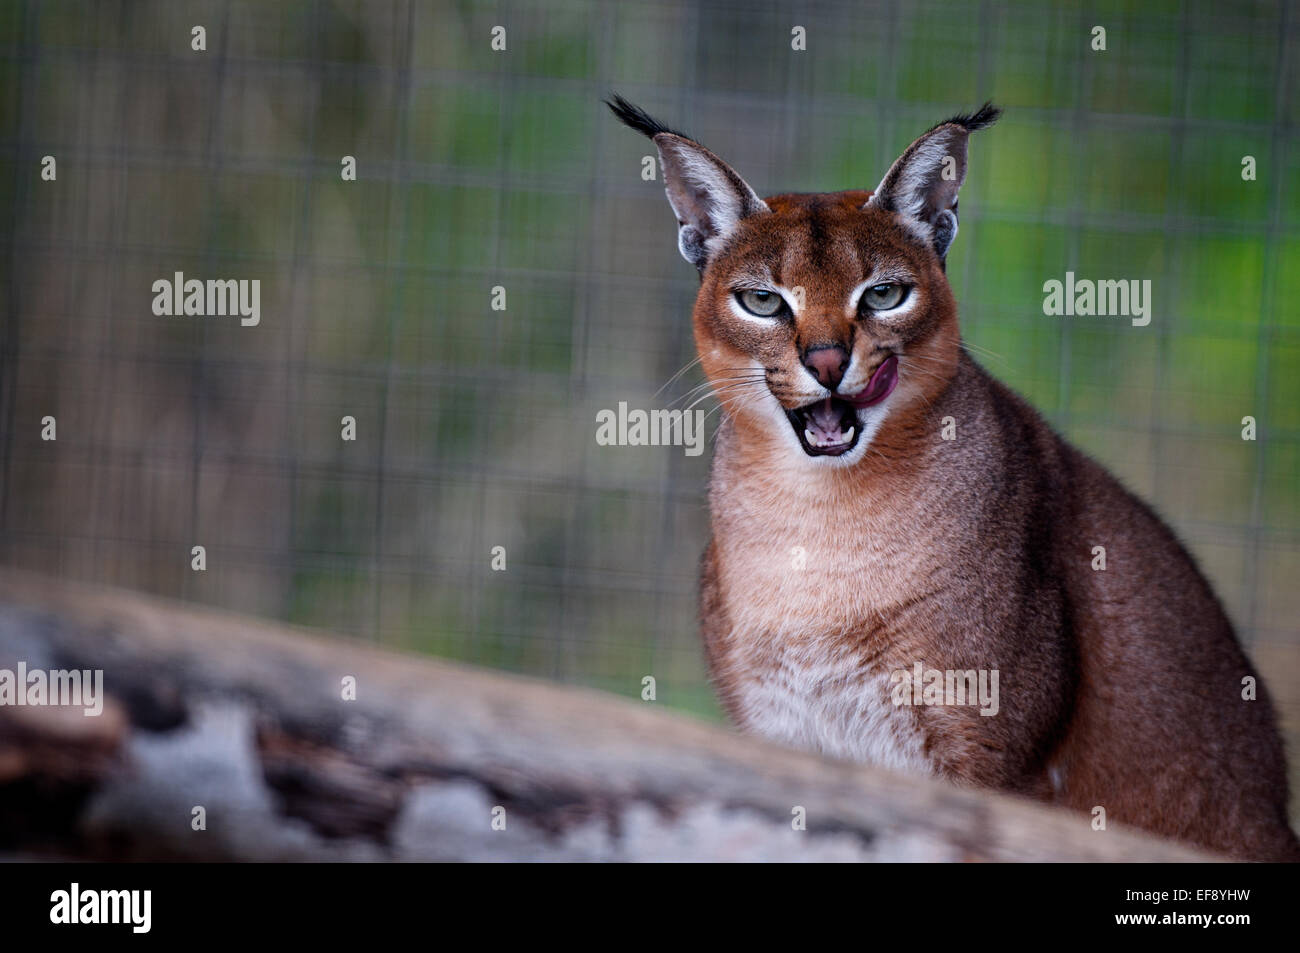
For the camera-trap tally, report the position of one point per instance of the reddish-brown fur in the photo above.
(1120, 688)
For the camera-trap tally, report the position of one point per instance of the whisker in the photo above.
(707, 384)
(917, 370)
(747, 399)
(675, 376)
(720, 391)
(906, 363)
(985, 352)
(923, 357)
(728, 389)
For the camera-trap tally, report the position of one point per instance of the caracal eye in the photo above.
(765, 304)
(884, 297)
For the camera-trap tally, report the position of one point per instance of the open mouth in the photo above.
(827, 428)
(830, 427)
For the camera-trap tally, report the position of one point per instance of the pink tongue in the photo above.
(881, 384)
(825, 417)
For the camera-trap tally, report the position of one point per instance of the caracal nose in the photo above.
(827, 364)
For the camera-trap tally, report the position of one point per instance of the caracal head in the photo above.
(819, 316)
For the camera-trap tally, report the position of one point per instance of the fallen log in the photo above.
(227, 738)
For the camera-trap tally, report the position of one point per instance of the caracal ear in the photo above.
(922, 185)
(706, 194)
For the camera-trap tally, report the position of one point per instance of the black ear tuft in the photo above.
(922, 184)
(638, 119)
(981, 118)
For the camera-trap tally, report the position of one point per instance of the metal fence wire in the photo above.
(499, 272)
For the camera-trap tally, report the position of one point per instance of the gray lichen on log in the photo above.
(246, 719)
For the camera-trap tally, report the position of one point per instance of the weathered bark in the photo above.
(247, 720)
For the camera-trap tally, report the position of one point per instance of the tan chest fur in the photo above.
(811, 572)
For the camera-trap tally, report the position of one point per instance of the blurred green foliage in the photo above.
(480, 169)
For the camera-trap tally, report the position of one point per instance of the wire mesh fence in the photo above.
(499, 271)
